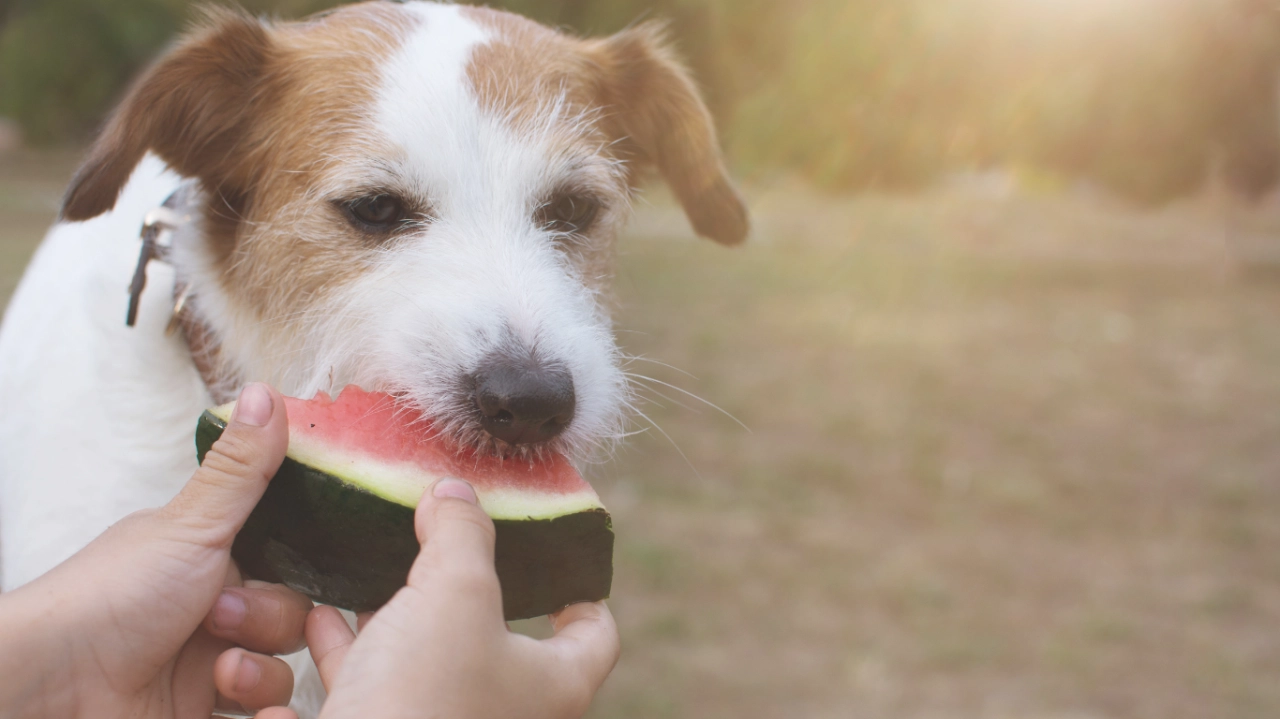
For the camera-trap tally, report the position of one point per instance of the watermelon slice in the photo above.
(336, 522)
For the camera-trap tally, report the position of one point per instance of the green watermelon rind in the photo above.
(340, 544)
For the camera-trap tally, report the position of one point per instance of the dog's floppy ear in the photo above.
(191, 108)
(664, 121)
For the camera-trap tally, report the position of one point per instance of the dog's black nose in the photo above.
(524, 401)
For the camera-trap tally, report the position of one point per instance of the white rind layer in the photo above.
(404, 483)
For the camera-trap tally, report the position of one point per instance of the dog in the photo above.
(416, 198)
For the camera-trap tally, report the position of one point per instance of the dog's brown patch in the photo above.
(665, 123)
(192, 108)
(323, 79)
(285, 246)
(527, 67)
(258, 112)
(650, 110)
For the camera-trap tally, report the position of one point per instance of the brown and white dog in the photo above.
(414, 197)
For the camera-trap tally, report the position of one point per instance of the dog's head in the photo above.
(418, 198)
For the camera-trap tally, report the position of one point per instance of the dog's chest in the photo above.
(100, 416)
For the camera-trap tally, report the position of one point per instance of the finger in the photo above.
(276, 713)
(455, 533)
(328, 637)
(223, 706)
(236, 469)
(587, 638)
(192, 669)
(254, 681)
(233, 578)
(362, 619)
(262, 617)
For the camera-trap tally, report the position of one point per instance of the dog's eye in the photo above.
(380, 213)
(569, 213)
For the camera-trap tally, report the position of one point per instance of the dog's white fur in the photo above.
(483, 275)
(102, 417)
(98, 417)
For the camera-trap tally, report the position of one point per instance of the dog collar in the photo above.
(158, 230)
(158, 227)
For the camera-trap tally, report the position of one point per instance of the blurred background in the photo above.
(1004, 343)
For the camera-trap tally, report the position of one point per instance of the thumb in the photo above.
(587, 638)
(457, 536)
(235, 471)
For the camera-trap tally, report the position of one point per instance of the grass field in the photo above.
(1007, 458)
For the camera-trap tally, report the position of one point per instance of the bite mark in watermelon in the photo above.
(336, 522)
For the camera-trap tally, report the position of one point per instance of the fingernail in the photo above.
(456, 488)
(228, 612)
(254, 406)
(248, 674)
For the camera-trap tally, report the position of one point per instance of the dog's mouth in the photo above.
(472, 437)
(487, 418)
(488, 445)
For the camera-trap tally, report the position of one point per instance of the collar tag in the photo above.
(157, 231)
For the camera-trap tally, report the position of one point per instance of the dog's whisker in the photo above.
(663, 432)
(645, 378)
(638, 358)
(659, 405)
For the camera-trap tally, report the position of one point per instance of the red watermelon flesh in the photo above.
(394, 452)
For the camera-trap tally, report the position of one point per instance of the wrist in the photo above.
(38, 631)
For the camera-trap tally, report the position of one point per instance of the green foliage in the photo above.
(1140, 96)
(63, 61)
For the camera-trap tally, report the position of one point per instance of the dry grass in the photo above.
(1007, 459)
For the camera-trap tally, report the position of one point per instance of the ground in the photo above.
(1005, 457)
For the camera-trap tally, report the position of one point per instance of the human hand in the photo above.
(441, 645)
(151, 619)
